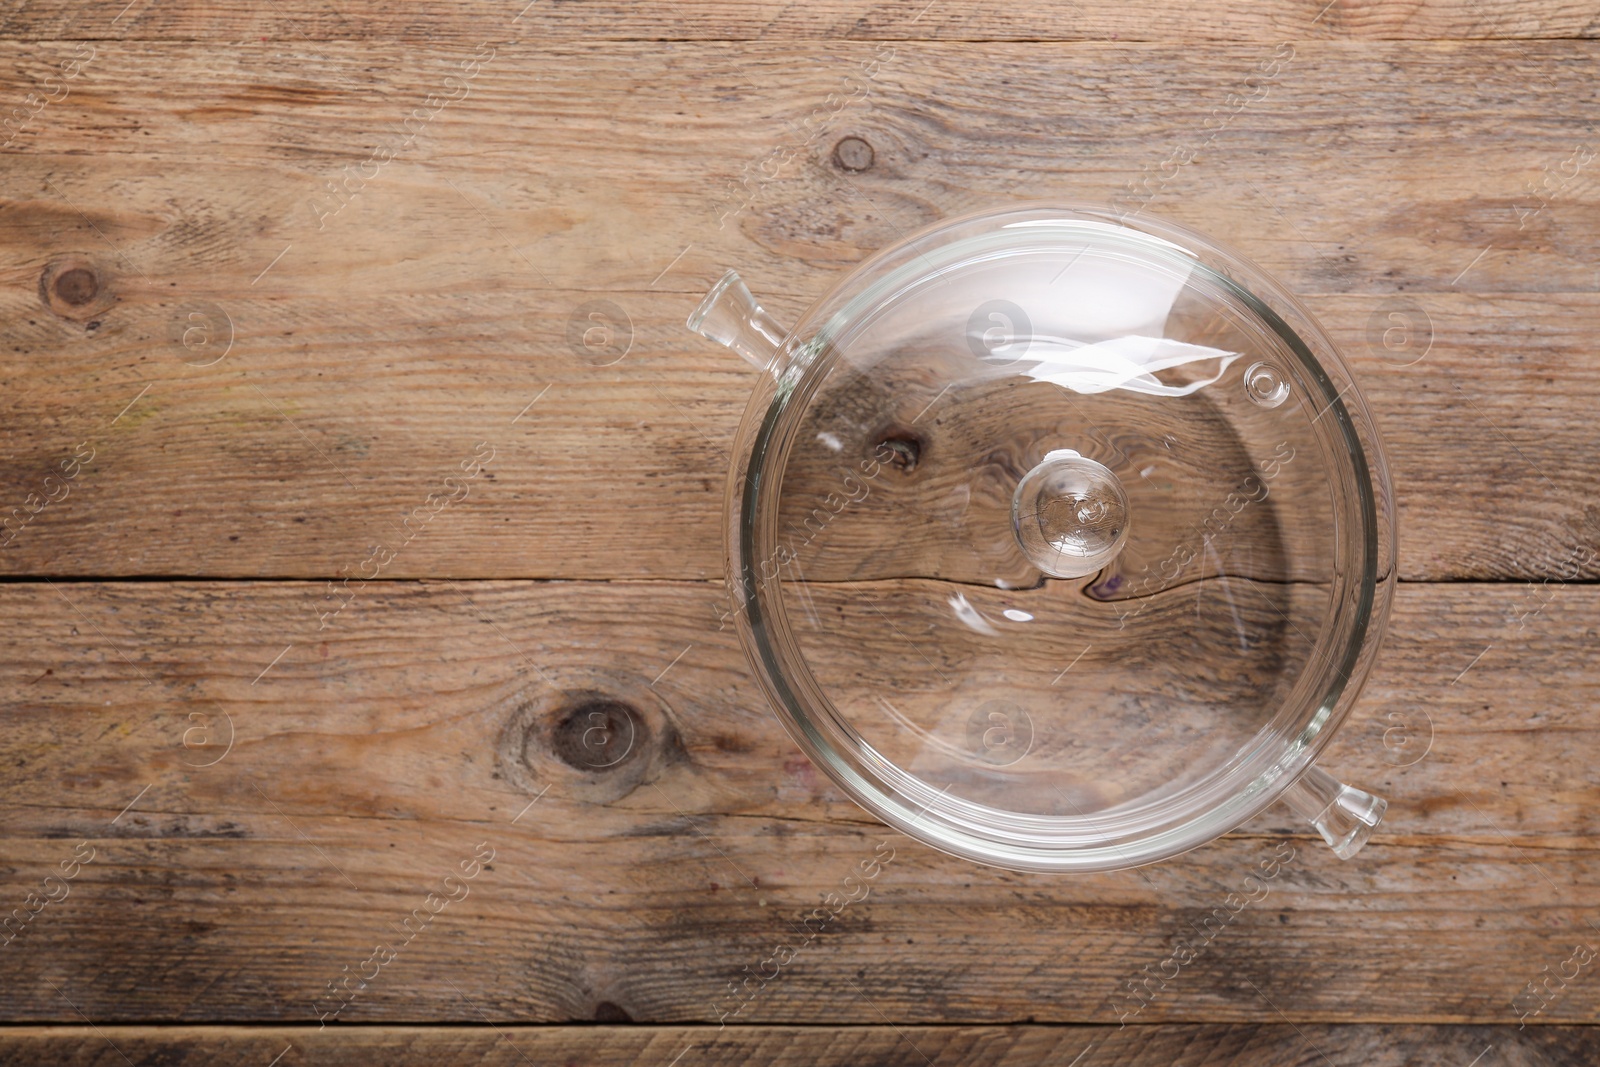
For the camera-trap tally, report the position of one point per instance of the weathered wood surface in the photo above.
(1270, 1045)
(454, 288)
(711, 20)
(272, 377)
(688, 839)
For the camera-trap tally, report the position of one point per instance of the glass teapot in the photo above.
(1060, 540)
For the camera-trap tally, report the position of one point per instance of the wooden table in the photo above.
(298, 291)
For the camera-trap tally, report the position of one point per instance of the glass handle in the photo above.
(730, 316)
(1342, 814)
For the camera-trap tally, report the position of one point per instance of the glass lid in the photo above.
(1055, 535)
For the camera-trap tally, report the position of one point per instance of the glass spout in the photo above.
(1342, 814)
(730, 316)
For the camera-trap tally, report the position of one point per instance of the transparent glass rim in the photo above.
(1218, 803)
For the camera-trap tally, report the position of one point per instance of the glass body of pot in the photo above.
(963, 580)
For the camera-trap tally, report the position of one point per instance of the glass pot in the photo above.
(1060, 540)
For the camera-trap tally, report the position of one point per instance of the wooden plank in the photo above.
(260, 803)
(1277, 1045)
(1056, 20)
(374, 346)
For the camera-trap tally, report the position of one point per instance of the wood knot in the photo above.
(901, 449)
(853, 154)
(597, 734)
(77, 286)
(73, 287)
(590, 737)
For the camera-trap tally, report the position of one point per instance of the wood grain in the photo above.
(700, 20)
(368, 760)
(371, 354)
(247, 350)
(1271, 1045)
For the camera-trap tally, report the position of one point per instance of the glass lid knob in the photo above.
(1070, 515)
